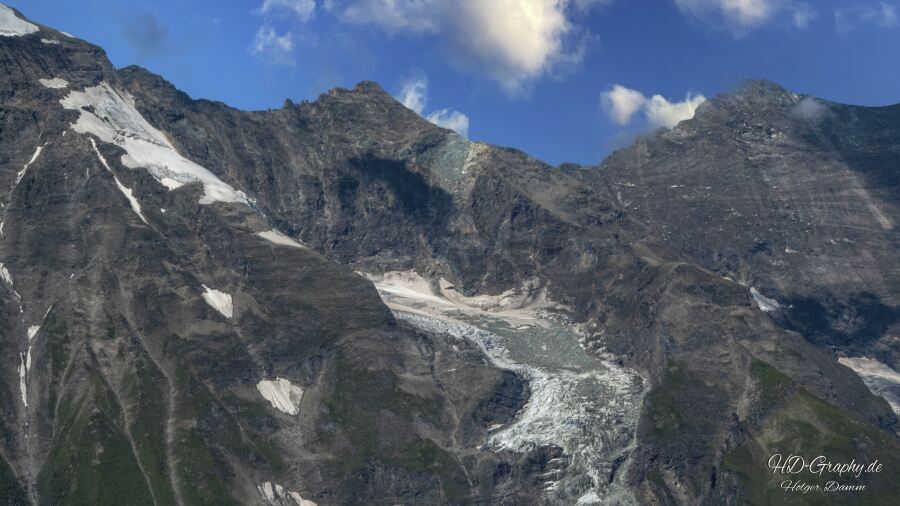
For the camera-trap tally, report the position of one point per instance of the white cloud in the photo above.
(303, 9)
(276, 49)
(395, 15)
(621, 104)
(454, 120)
(881, 14)
(662, 113)
(743, 16)
(511, 41)
(803, 15)
(810, 109)
(414, 95)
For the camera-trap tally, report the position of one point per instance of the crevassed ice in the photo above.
(880, 379)
(584, 405)
(220, 301)
(55, 83)
(114, 118)
(135, 205)
(12, 25)
(277, 237)
(283, 395)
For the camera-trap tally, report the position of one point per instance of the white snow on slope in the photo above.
(23, 387)
(12, 25)
(55, 83)
(4, 275)
(114, 118)
(276, 494)
(766, 304)
(277, 237)
(50, 41)
(21, 174)
(135, 205)
(32, 331)
(878, 377)
(281, 394)
(585, 405)
(220, 301)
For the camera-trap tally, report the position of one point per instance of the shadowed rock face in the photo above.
(135, 371)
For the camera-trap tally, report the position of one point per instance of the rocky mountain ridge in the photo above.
(179, 287)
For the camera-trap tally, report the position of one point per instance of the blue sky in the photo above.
(565, 80)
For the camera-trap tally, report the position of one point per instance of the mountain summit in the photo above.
(338, 302)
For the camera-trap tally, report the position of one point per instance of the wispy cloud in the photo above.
(743, 16)
(302, 9)
(275, 49)
(622, 104)
(880, 14)
(414, 95)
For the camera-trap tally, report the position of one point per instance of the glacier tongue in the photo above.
(113, 117)
(586, 406)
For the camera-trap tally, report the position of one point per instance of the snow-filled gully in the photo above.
(586, 406)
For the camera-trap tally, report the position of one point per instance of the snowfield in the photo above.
(12, 25)
(113, 117)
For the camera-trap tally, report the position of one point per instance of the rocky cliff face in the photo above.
(337, 302)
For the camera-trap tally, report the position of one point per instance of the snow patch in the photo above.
(55, 83)
(32, 331)
(50, 41)
(113, 117)
(135, 205)
(766, 304)
(12, 25)
(880, 378)
(220, 301)
(283, 395)
(37, 153)
(277, 237)
(4, 275)
(23, 386)
(277, 495)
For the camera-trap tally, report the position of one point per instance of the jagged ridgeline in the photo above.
(338, 302)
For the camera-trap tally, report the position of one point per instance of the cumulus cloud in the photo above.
(512, 41)
(146, 34)
(303, 9)
(881, 14)
(622, 104)
(451, 119)
(742, 16)
(274, 48)
(414, 95)
(662, 113)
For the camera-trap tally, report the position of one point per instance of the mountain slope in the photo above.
(179, 287)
